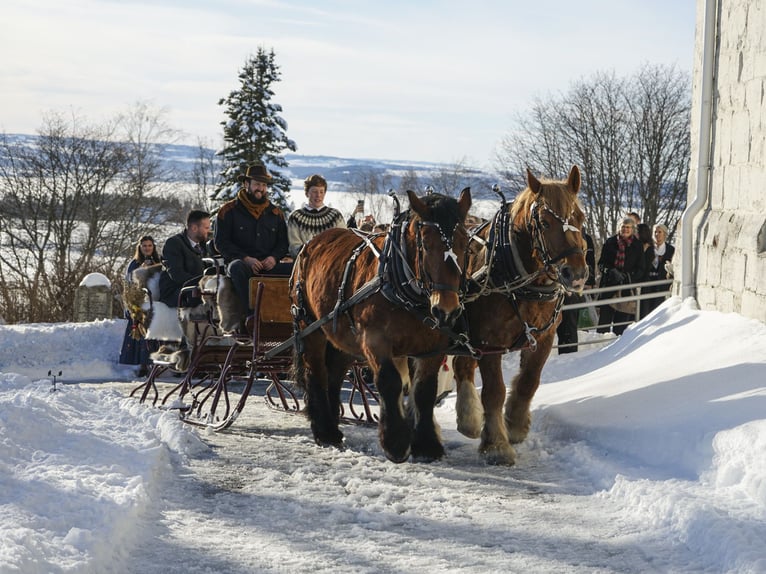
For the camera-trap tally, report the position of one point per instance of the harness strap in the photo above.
(362, 293)
(368, 240)
(503, 270)
(399, 283)
(344, 281)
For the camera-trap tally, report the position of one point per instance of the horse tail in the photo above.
(298, 311)
(298, 373)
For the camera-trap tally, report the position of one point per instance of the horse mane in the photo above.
(555, 194)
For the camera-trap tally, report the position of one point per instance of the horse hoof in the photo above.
(499, 456)
(427, 451)
(329, 439)
(397, 457)
(427, 456)
(518, 427)
(469, 429)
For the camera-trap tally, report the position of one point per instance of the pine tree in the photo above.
(254, 132)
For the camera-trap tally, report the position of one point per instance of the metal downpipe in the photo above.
(688, 286)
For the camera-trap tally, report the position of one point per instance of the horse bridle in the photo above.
(428, 285)
(535, 226)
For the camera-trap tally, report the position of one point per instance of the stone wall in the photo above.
(730, 236)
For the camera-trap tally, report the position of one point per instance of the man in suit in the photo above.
(182, 257)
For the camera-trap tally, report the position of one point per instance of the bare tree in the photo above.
(661, 137)
(71, 204)
(410, 181)
(594, 123)
(452, 178)
(622, 133)
(145, 134)
(536, 143)
(371, 186)
(205, 177)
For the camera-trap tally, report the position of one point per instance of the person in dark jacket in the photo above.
(621, 263)
(567, 329)
(658, 268)
(182, 257)
(644, 234)
(251, 233)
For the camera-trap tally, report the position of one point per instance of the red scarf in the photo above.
(622, 245)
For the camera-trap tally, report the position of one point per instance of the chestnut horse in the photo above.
(520, 265)
(381, 299)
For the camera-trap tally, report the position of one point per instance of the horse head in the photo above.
(552, 216)
(438, 239)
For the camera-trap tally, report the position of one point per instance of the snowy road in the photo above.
(645, 455)
(264, 498)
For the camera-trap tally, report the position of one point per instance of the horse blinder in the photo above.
(449, 255)
(552, 264)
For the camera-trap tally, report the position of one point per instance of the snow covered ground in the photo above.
(646, 455)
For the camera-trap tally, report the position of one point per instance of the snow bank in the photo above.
(82, 465)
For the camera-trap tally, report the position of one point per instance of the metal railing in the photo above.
(593, 301)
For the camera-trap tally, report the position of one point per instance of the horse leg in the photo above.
(338, 364)
(524, 386)
(426, 441)
(469, 411)
(319, 405)
(403, 366)
(393, 431)
(494, 445)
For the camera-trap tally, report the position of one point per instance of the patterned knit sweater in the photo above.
(303, 224)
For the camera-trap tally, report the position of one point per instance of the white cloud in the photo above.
(457, 70)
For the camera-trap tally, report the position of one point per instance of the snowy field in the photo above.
(645, 455)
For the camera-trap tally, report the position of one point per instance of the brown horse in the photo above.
(381, 298)
(521, 264)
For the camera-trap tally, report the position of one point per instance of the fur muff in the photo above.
(230, 311)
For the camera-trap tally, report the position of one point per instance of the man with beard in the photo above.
(251, 233)
(182, 257)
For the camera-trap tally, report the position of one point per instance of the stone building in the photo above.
(725, 221)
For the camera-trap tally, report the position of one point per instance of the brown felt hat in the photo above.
(257, 172)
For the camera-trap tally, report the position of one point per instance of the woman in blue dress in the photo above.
(136, 351)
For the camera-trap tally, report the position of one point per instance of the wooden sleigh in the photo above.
(225, 368)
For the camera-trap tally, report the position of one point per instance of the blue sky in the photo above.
(416, 80)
